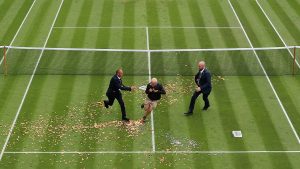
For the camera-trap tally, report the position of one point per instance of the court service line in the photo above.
(20, 27)
(29, 84)
(266, 75)
(143, 27)
(159, 152)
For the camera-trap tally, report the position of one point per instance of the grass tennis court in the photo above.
(61, 55)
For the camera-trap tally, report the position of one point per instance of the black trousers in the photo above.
(111, 98)
(194, 98)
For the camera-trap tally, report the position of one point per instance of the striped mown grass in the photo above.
(60, 111)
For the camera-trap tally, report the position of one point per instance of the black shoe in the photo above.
(125, 119)
(106, 104)
(188, 113)
(205, 108)
(142, 106)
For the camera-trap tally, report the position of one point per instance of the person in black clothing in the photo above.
(114, 92)
(154, 91)
(203, 82)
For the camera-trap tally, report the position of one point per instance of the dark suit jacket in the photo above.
(116, 85)
(204, 81)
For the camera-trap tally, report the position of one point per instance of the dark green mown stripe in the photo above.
(128, 41)
(89, 138)
(28, 112)
(197, 17)
(5, 6)
(287, 100)
(39, 18)
(154, 38)
(82, 20)
(262, 118)
(180, 42)
(228, 39)
(294, 4)
(152, 13)
(61, 20)
(17, 20)
(9, 84)
(179, 39)
(228, 124)
(267, 60)
(261, 23)
(51, 141)
(104, 35)
(288, 23)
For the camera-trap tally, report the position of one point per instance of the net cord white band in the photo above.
(152, 51)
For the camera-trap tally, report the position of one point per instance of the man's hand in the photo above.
(133, 88)
(198, 89)
(155, 91)
(150, 90)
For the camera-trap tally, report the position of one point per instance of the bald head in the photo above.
(201, 65)
(153, 82)
(119, 72)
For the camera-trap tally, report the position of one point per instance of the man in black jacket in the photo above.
(154, 91)
(203, 82)
(114, 92)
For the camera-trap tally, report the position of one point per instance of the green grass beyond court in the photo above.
(49, 116)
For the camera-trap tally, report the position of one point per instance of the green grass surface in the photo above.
(60, 111)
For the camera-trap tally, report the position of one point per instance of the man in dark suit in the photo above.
(203, 82)
(114, 92)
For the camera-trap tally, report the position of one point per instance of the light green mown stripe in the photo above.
(180, 42)
(11, 20)
(230, 40)
(260, 112)
(19, 137)
(266, 58)
(38, 23)
(288, 23)
(5, 92)
(127, 42)
(88, 141)
(256, 25)
(59, 38)
(289, 87)
(5, 6)
(294, 4)
(82, 20)
(227, 124)
(13, 87)
(197, 16)
(58, 117)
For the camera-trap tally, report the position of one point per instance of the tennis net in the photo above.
(223, 61)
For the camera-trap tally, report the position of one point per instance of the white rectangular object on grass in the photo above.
(237, 134)
(143, 87)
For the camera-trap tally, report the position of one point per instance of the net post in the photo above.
(294, 60)
(4, 61)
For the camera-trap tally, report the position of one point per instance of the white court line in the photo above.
(25, 18)
(29, 84)
(156, 152)
(276, 31)
(149, 68)
(266, 75)
(143, 27)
